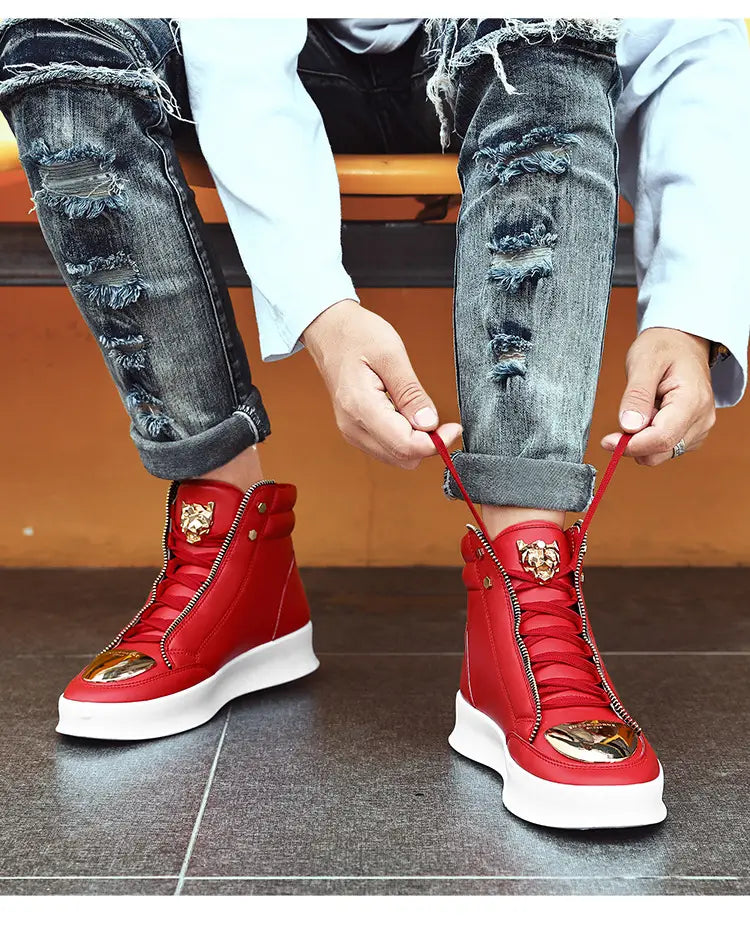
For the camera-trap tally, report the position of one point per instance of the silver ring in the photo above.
(679, 449)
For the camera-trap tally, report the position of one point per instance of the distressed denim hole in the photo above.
(520, 258)
(79, 181)
(84, 179)
(109, 281)
(543, 149)
(509, 354)
(147, 412)
(128, 353)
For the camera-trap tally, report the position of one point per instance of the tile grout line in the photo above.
(202, 808)
(85, 878)
(477, 878)
(343, 878)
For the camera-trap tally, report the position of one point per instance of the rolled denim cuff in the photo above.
(522, 481)
(212, 448)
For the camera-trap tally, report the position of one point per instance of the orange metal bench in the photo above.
(358, 175)
(368, 175)
(378, 252)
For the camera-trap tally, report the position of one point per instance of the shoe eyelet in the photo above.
(487, 583)
(252, 534)
(262, 507)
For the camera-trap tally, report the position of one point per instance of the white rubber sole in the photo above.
(272, 663)
(551, 804)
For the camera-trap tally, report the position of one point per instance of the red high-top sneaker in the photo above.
(536, 703)
(227, 614)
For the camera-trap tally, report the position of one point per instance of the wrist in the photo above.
(330, 318)
(701, 345)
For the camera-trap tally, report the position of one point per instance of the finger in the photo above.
(386, 434)
(681, 417)
(407, 393)
(654, 460)
(414, 448)
(609, 442)
(364, 442)
(409, 455)
(674, 422)
(450, 432)
(638, 403)
(685, 418)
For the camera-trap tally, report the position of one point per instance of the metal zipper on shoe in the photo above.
(526, 658)
(159, 577)
(614, 702)
(214, 568)
(614, 460)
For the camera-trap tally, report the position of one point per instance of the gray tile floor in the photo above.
(343, 782)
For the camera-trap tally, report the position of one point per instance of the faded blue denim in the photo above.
(529, 107)
(96, 140)
(536, 247)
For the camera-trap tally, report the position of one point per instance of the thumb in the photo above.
(407, 392)
(638, 402)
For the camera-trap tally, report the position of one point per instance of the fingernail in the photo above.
(632, 421)
(426, 417)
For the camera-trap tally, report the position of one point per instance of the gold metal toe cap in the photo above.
(117, 665)
(593, 740)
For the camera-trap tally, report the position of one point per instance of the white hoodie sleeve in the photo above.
(264, 141)
(683, 125)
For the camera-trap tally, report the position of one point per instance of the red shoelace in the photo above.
(188, 568)
(557, 616)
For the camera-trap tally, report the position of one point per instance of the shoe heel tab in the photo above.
(284, 497)
(275, 503)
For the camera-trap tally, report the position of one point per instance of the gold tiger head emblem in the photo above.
(539, 558)
(195, 520)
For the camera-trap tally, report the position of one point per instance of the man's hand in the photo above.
(379, 403)
(668, 396)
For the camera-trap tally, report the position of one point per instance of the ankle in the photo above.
(242, 471)
(499, 518)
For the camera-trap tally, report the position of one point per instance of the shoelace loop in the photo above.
(565, 623)
(188, 567)
(558, 619)
(598, 495)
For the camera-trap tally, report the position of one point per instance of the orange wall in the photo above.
(73, 491)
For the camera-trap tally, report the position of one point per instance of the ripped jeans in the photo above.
(528, 104)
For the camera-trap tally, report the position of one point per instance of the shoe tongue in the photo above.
(533, 550)
(204, 509)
